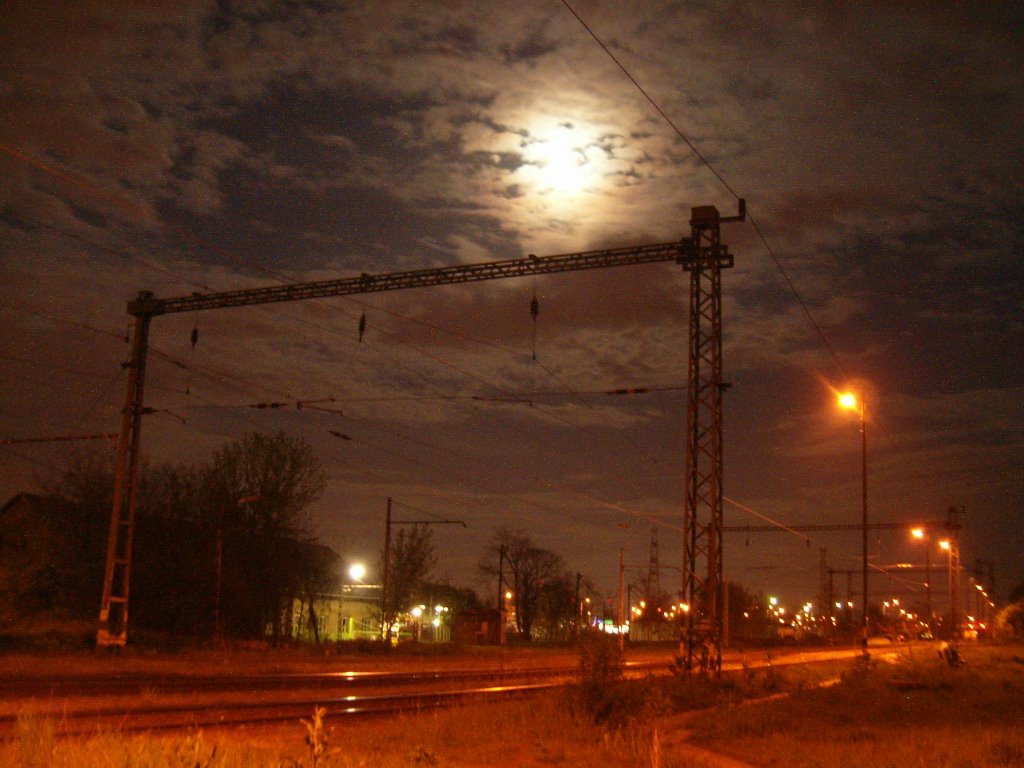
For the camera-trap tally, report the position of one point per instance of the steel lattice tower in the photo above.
(701, 632)
(653, 591)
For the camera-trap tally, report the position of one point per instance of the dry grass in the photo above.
(916, 713)
(540, 732)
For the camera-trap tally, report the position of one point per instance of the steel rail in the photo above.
(127, 719)
(85, 722)
(13, 686)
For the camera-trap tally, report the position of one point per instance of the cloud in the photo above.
(204, 147)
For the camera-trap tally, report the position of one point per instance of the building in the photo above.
(351, 614)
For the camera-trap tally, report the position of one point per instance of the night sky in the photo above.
(206, 146)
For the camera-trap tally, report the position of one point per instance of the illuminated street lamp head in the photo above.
(848, 401)
(944, 544)
(917, 533)
(357, 571)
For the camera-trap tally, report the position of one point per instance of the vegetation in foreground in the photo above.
(916, 712)
(919, 711)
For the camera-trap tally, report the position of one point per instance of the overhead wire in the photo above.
(86, 184)
(188, 367)
(648, 517)
(714, 171)
(114, 251)
(545, 368)
(83, 183)
(724, 182)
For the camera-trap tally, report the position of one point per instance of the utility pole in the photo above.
(387, 609)
(579, 605)
(953, 525)
(847, 611)
(218, 622)
(385, 580)
(652, 593)
(113, 619)
(622, 598)
(501, 594)
(928, 584)
(831, 601)
(865, 628)
(823, 578)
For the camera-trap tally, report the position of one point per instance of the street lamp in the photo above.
(356, 572)
(954, 555)
(922, 535)
(853, 402)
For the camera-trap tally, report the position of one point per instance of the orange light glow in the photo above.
(917, 533)
(848, 401)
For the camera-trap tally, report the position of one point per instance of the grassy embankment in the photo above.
(915, 712)
(918, 712)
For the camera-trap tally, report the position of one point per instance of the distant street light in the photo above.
(853, 402)
(922, 535)
(357, 571)
(953, 551)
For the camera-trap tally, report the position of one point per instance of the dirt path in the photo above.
(673, 735)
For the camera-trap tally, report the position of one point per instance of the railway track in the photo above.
(92, 704)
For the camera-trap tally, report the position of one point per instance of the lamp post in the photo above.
(922, 534)
(218, 622)
(852, 402)
(386, 608)
(954, 555)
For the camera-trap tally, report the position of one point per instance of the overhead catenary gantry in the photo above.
(702, 255)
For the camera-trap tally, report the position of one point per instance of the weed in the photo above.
(317, 737)
(194, 753)
(600, 659)
(601, 694)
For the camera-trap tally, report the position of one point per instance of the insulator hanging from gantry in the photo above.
(701, 254)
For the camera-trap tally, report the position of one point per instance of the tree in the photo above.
(318, 568)
(257, 490)
(269, 558)
(556, 608)
(528, 568)
(457, 599)
(87, 481)
(748, 619)
(173, 563)
(412, 558)
(1010, 620)
(1017, 593)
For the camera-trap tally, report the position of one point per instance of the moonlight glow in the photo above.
(561, 161)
